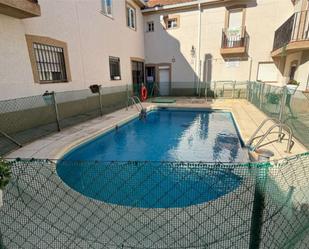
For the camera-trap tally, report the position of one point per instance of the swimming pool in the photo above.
(136, 163)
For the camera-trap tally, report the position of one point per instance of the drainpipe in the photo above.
(199, 50)
(250, 69)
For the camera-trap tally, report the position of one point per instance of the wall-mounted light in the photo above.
(192, 52)
(173, 60)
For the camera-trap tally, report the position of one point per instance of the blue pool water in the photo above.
(166, 138)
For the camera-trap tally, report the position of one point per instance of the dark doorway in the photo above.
(151, 80)
(137, 76)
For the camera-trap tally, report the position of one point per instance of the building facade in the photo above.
(67, 45)
(179, 44)
(291, 46)
(207, 41)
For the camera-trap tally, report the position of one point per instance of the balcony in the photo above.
(234, 42)
(293, 35)
(20, 8)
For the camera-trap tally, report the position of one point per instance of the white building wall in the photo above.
(91, 38)
(302, 73)
(262, 19)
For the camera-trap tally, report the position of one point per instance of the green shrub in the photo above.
(5, 173)
(273, 98)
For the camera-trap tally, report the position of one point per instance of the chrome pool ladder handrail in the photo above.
(253, 137)
(137, 102)
(269, 131)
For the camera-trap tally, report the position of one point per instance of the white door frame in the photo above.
(165, 66)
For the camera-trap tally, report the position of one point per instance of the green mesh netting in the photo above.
(270, 209)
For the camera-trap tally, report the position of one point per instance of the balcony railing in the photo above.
(296, 28)
(234, 38)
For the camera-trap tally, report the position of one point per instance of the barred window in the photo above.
(50, 63)
(114, 66)
(150, 26)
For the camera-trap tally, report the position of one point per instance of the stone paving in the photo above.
(246, 115)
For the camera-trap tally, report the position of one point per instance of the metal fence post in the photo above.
(252, 87)
(282, 109)
(100, 101)
(206, 90)
(261, 95)
(127, 93)
(283, 102)
(258, 206)
(233, 90)
(53, 94)
(1, 242)
(248, 90)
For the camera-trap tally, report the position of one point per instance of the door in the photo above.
(137, 76)
(235, 19)
(164, 81)
(234, 28)
(150, 81)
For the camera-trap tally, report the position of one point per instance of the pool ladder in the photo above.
(281, 135)
(136, 102)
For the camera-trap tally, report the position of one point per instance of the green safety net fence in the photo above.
(268, 209)
(27, 119)
(294, 106)
(30, 118)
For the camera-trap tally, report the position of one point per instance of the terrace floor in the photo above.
(246, 115)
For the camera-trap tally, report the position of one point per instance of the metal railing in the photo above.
(234, 39)
(281, 135)
(134, 100)
(296, 28)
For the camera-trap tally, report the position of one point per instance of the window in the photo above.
(267, 72)
(107, 7)
(114, 67)
(50, 63)
(150, 26)
(49, 59)
(172, 23)
(131, 17)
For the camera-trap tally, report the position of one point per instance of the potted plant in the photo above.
(5, 176)
(292, 86)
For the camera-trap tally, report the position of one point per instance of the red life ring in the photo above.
(144, 93)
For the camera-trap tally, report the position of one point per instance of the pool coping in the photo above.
(56, 145)
(82, 142)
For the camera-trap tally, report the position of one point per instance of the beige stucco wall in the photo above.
(262, 19)
(302, 73)
(91, 38)
(290, 58)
